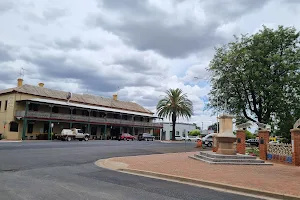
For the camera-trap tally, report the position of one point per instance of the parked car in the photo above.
(73, 134)
(192, 138)
(274, 142)
(145, 136)
(178, 137)
(127, 136)
(253, 142)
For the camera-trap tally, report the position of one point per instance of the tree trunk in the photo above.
(173, 127)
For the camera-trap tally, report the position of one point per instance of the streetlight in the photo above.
(217, 100)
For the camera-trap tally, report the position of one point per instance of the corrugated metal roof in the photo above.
(65, 103)
(78, 98)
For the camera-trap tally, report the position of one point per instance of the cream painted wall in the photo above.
(6, 116)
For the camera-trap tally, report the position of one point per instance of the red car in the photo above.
(127, 136)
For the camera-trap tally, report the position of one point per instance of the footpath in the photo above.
(277, 181)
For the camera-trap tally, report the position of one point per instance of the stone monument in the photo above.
(225, 149)
(225, 138)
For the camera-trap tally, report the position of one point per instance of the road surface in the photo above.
(66, 170)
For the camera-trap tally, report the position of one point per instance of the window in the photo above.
(14, 127)
(148, 120)
(34, 107)
(177, 133)
(5, 108)
(74, 111)
(94, 113)
(55, 109)
(30, 128)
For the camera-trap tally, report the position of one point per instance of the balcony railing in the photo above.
(60, 116)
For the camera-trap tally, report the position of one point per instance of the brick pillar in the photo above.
(295, 133)
(263, 148)
(241, 141)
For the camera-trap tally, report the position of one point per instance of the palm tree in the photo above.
(174, 105)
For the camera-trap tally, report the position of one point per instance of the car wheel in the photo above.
(209, 144)
(132, 139)
(152, 139)
(189, 140)
(69, 139)
(86, 139)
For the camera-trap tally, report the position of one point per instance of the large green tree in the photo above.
(257, 76)
(175, 105)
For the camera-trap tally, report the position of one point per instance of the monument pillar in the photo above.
(263, 143)
(241, 141)
(226, 138)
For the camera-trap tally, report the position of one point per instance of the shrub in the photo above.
(195, 132)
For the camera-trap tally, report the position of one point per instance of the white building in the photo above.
(182, 129)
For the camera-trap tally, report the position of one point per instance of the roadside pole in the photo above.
(185, 145)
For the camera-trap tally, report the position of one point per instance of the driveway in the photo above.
(66, 170)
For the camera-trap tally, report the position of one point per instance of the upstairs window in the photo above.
(0, 105)
(5, 108)
(34, 107)
(55, 109)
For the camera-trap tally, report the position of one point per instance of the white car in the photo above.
(178, 137)
(192, 138)
(274, 142)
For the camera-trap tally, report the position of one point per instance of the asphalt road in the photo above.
(66, 170)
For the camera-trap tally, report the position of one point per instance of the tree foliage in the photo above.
(214, 127)
(195, 132)
(173, 106)
(257, 77)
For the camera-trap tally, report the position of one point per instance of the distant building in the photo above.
(206, 132)
(182, 129)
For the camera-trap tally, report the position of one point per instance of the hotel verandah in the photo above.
(27, 112)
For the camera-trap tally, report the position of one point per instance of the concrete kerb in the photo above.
(123, 167)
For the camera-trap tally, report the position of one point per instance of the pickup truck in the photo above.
(73, 134)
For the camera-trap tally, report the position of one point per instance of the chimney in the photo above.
(115, 97)
(41, 84)
(20, 82)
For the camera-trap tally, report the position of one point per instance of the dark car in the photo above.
(253, 142)
(127, 136)
(145, 136)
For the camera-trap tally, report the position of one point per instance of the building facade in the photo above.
(30, 112)
(182, 129)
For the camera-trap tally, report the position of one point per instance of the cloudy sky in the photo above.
(138, 48)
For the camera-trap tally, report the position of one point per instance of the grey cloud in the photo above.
(48, 16)
(59, 68)
(72, 43)
(4, 53)
(75, 43)
(137, 65)
(54, 13)
(145, 27)
(6, 5)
